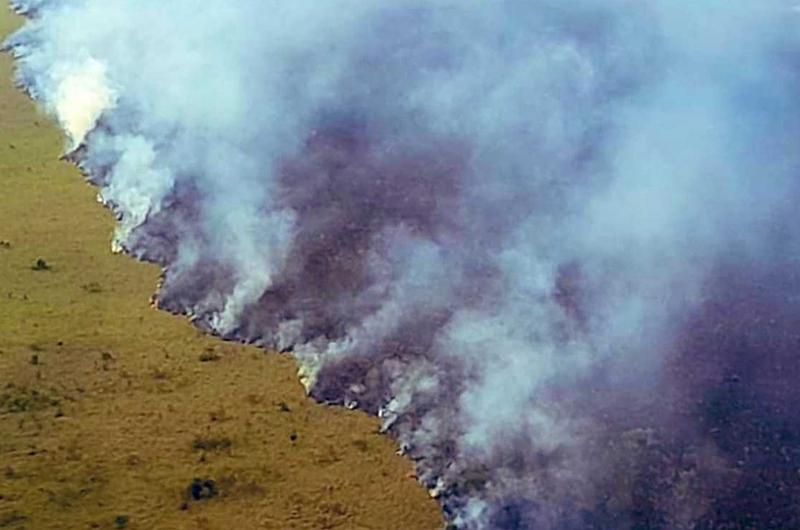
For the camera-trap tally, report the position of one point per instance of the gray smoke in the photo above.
(552, 244)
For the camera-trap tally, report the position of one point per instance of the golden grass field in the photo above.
(109, 409)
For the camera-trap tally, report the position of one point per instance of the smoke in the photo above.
(551, 244)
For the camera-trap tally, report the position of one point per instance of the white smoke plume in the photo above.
(552, 244)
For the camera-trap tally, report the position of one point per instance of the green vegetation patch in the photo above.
(16, 399)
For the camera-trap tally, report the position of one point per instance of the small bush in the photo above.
(212, 444)
(92, 287)
(160, 375)
(209, 357)
(41, 265)
(202, 488)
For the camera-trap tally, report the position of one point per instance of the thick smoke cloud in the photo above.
(551, 244)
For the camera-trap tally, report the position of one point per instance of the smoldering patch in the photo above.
(352, 190)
